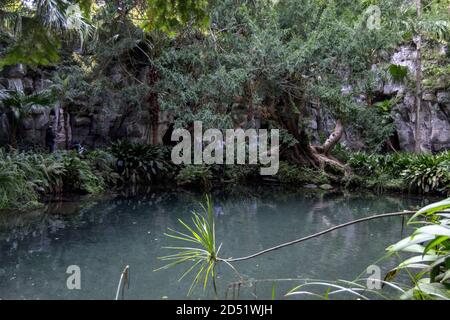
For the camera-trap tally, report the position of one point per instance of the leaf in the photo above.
(437, 290)
(434, 243)
(417, 260)
(409, 241)
(435, 230)
(415, 248)
(273, 291)
(397, 72)
(45, 46)
(391, 274)
(432, 208)
(446, 276)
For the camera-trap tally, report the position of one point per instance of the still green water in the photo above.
(102, 236)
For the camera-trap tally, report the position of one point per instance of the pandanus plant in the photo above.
(202, 251)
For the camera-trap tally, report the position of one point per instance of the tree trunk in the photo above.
(309, 155)
(304, 152)
(418, 97)
(333, 139)
(66, 127)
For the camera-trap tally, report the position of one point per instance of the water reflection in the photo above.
(103, 235)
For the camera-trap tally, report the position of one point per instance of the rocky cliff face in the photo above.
(100, 127)
(32, 128)
(91, 128)
(435, 113)
(434, 116)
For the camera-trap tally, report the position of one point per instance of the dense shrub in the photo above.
(14, 184)
(429, 173)
(78, 175)
(139, 163)
(239, 173)
(25, 177)
(294, 174)
(195, 175)
(424, 173)
(103, 164)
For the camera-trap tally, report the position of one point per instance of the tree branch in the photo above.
(315, 235)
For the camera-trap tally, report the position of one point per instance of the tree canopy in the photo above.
(276, 61)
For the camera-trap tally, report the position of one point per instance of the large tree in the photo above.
(36, 28)
(276, 61)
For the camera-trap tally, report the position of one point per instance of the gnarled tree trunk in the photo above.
(333, 139)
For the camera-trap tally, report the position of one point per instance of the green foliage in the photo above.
(341, 153)
(85, 7)
(45, 52)
(435, 22)
(430, 268)
(195, 175)
(374, 126)
(26, 177)
(140, 163)
(103, 164)
(424, 173)
(41, 25)
(15, 187)
(397, 72)
(294, 175)
(69, 83)
(386, 105)
(18, 105)
(429, 173)
(78, 175)
(205, 253)
(170, 16)
(277, 58)
(238, 173)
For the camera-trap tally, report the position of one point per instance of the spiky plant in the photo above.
(203, 254)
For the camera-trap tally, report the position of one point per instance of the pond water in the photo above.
(102, 236)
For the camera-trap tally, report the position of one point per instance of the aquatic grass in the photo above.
(357, 288)
(311, 287)
(204, 253)
(353, 289)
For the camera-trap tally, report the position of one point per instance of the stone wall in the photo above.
(92, 129)
(101, 126)
(435, 111)
(434, 115)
